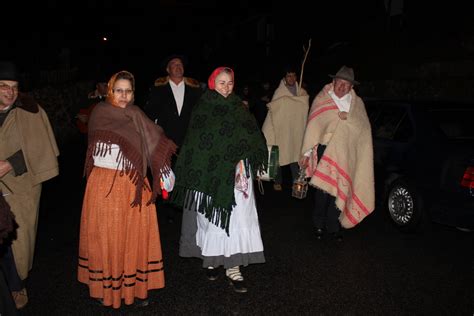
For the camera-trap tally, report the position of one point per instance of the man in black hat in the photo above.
(170, 103)
(28, 157)
(338, 154)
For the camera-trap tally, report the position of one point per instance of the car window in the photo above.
(390, 121)
(454, 122)
(405, 130)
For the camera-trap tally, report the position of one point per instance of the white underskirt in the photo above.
(244, 230)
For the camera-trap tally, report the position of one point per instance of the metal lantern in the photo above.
(300, 186)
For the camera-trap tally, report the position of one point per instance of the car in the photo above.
(424, 161)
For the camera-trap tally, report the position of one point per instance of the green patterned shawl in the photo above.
(221, 132)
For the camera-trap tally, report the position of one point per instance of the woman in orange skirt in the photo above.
(119, 249)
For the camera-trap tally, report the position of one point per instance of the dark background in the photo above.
(425, 49)
(255, 38)
(413, 43)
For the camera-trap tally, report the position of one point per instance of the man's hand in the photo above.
(303, 162)
(342, 115)
(5, 167)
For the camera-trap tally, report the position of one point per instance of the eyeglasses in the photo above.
(122, 91)
(4, 87)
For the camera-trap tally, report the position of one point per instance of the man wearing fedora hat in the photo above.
(170, 104)
(28, 157)
(338, 155)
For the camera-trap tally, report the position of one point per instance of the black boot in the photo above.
(212, 274)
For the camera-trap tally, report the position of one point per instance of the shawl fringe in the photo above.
(161, 157)
(128, 158)
(218, 215)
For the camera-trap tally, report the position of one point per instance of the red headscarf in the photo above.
(211, 82)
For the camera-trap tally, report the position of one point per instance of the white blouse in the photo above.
(110, 160)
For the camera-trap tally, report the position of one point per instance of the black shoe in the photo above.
(141, 303)
(319, 233)
(238, 286)
(212, 274)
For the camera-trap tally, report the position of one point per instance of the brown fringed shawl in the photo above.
(142, 143)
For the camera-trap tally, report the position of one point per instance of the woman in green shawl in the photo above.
(221, 154)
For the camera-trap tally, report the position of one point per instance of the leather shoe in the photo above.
(319, 233)
(239, 286)
(212, 274)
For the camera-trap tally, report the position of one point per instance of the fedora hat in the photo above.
(8, 71)
(345, 73)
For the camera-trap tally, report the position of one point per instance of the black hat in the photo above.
(165, 61)
(8, 71)
(345, 73)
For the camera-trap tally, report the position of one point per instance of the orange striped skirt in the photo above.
(119, 246)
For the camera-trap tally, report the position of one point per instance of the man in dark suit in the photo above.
(172, 98)
(170, 103)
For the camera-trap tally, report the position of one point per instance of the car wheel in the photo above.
(404, 206)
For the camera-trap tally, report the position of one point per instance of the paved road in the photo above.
(375, 271)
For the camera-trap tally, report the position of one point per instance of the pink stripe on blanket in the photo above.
(327, 101)
(341, 194)
(321, 110)
(346, 176)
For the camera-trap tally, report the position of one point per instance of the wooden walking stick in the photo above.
(306, 51)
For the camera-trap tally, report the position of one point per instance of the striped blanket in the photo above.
(346, 169)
